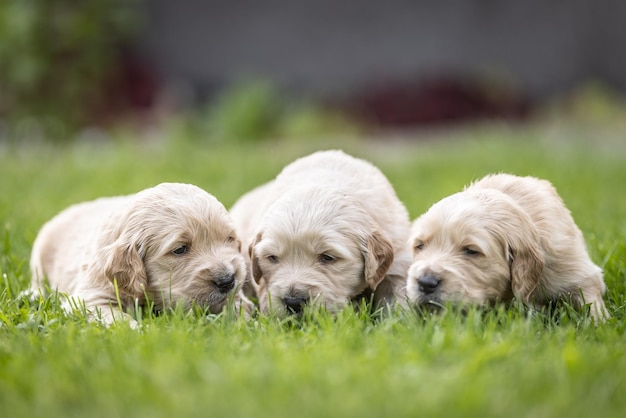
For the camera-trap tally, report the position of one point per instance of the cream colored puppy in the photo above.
(171, 244)
(328, 230)
(502, 237)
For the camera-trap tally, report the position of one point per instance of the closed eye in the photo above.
(272, 259)
(419, 247)
(325, 258)
(471, 252)
(183, 249)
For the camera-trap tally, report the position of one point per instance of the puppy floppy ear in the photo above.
(526, 262)
(256, 269)
(378, 255)
(123, 263)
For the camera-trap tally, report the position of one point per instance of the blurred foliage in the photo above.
(246, 111)
(256, 110)
(56, 57)
(596, 101)
(597, 109)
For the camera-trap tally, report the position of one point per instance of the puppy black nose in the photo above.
(295, 304)
(225, 283)
(427, 284)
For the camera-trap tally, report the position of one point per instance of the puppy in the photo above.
(327, 231)
(502, 237)
(173, 244)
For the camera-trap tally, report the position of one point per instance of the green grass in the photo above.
(507, 362)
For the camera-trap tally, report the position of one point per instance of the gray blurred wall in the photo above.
(330, 47)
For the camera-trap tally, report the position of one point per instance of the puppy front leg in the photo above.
(598, 310)
(590, 293)
(100, 307)
(243, 305)
(109, 315)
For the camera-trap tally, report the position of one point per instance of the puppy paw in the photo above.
(32, 295)
(109, 316)
(243, 306)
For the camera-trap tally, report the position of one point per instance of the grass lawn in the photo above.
(507, 362)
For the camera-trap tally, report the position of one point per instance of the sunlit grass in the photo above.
(502, 362)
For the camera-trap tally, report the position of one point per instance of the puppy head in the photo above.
(175, 244)
(317, 247)
(477, 247)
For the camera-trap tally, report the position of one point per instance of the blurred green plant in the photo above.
(256, 110)
(595, 101)
(246, 111)
(56, 57)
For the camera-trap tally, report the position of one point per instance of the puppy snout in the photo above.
(295, 304)
(428, 283)
(225, 282)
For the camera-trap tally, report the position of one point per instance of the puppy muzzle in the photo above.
(295, 304)
(428, 284)
(429, 287)
(225, 282)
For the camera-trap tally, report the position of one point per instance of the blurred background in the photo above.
(246, 69)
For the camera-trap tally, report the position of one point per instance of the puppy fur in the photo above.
(502, 237)
(328, 229)
(171, 244)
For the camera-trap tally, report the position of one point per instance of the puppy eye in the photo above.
(272, 259)
(180, 250)
(419, 247)
(326, 258)
(470, 251)
(230, 239)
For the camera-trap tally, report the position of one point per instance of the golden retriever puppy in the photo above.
(327, 231)
(502, 237)
(171, 244)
